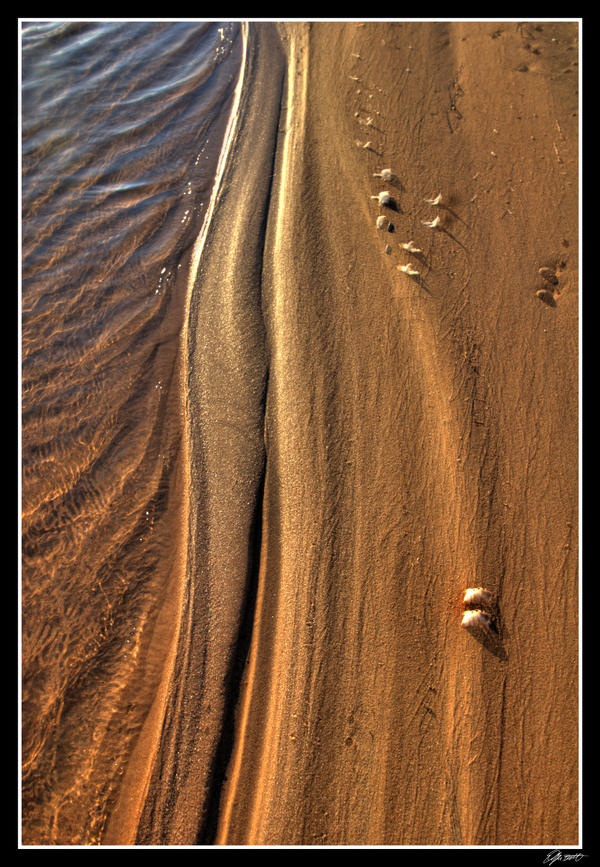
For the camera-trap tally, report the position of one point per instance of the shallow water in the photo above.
(122, 124)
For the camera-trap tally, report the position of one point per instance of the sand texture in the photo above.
(365, 444)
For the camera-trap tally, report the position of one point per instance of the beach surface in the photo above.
(365, 443)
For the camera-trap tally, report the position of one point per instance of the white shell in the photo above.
(477, 621)
(432, 224)
(478, 597)
(384, 174)
(408, 269)
(382, 222)
(383, 198)
(434, 201)
(409, 245)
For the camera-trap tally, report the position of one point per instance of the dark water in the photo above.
(122, 125)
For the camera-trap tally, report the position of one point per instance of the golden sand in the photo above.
(420, 438)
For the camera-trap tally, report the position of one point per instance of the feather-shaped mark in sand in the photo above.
(410, 247)
(384, 198)
(408, 269)
(385, 174)
(432, 224)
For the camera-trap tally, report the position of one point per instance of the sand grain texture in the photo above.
(420, 437)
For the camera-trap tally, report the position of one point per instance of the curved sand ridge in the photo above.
(419, 436)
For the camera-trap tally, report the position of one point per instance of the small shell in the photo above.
(384, 174)
(384, 198)
(382, 222)
(408, 269)
(435, 201)
(484, 629)
(477, 622)
(432, 224)
(478, 597)
(409, 245)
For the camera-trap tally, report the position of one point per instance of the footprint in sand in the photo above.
(550, 274)
(546, 296)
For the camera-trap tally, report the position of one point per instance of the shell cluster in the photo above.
(480, 610)
(366, 119)
(385, 199)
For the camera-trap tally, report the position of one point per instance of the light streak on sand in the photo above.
(227, 141)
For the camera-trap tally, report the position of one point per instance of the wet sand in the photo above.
(364, 445)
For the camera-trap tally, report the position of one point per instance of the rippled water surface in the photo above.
(122, 125)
